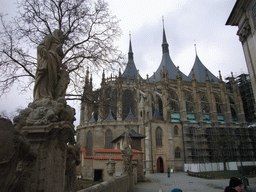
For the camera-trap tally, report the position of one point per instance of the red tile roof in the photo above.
(107, 151)
(114, 151)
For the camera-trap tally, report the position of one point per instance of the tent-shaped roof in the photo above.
(167, 64)
(134, 134)
(130, 71)
(130, 116)
(110, 117)
(200, 72)
(156, 114)
(93, 119)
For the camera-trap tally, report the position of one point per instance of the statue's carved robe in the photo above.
(49, 57)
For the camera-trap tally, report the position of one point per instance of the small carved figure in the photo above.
(127, 139)
(73, 160)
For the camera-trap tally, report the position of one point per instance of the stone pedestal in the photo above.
(49, 142)
(128, 169)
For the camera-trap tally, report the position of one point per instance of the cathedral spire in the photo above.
(130, 71)
(165, 44)
(130, 53)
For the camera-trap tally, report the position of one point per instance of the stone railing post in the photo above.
(49, 142)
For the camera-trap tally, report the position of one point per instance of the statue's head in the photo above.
(58, 34)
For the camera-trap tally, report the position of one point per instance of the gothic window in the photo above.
(108, 139)
(177, 153)
(113, 101)
(189, 102)
(204, 103)
(128, 103)
(160, 105)
(232, 108)
(118, 145)
(159, 136)
(89, 143)
(231, 101)
(233, 113)
(218, 104)
(174, 101)
(176, 130)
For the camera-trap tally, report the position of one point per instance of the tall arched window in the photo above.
(176, 130)
(204, 103)
(160, 105)
(232, 108)
(108, 139)
(89, 143)
(128, 103)
(218, 104)
(189, 102)
(177, 153)
(174, 101)
(159, 136)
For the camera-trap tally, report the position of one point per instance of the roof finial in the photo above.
(130, 53)
(220, 77)
(163, 20)
(195, 46)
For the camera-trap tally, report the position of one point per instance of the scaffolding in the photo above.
(215, 143)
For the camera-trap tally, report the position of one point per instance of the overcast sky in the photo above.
(186, 22)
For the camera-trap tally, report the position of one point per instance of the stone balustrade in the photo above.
(119, 184)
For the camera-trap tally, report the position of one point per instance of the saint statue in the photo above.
(49, 63)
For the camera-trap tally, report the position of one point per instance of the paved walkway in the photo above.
(160, 182)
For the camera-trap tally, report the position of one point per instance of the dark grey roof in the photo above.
(130, 117)
(167, 64)
(200, 71)
(130, 71)
(134, 135)
(92, 118)
(110, 117)
(156, 114)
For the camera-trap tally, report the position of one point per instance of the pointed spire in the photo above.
(165, 45)
(206, 75)
(195, 46)
(120, 72)
(87, 76)
(130, 53)
(193, 75)
(220, 76)
(179, 74)
(103, 75)
(91, 81)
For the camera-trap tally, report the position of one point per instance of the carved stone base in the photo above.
(49, 142)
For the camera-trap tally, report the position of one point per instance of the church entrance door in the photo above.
(160, 165)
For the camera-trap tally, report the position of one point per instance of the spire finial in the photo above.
(130, 53)
(195, 46)
(220, 76)
(163, 20)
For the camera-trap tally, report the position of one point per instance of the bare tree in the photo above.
(89, 30)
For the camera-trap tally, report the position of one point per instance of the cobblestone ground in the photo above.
(160, 182)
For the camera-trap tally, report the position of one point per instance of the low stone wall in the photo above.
(119, 184)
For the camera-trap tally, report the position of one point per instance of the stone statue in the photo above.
(51, 83)
(49, 63)
(73, 160)
(14, 151)
(127, 152)
(127, 139)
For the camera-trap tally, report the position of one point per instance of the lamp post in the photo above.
(244, 179)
